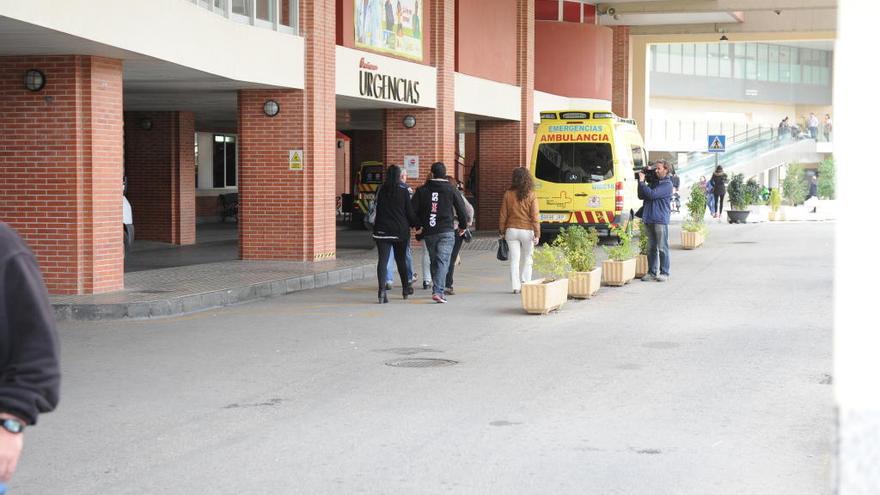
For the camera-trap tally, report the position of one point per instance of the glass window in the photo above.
(675, 59)
(762, 62)
(751, 61)
(713, 59)
(687, 58)
(739, 61)
(784, 64)
(773, 60)
(795, 65)
(638, 158)
(700, 59)
(572, 163)
(726, 60)
(662, 64)
(224, 166)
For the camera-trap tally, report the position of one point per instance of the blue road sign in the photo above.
(716, 143)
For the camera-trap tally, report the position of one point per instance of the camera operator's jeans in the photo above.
(440, 249)
(658, 244)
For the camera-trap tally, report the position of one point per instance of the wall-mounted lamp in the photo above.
(271, 108)
(146, 124)
(34, 80)
(409, 121)
(723, 37)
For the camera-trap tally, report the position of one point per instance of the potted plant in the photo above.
(578, 245)
(693, 230)
(758, 209)
(775, 201)
(620, 267)
(736, 190)
(642, 258)
(546, 294)
(794, 190)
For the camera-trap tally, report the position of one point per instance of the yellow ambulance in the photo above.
(583, 163)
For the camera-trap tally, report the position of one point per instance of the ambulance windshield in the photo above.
(373, 174)
(574, 163)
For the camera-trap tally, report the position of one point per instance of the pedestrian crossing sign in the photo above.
(716, 143)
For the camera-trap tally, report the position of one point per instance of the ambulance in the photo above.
(583, 163)
(366, 183)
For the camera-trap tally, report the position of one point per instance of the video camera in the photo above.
(650, 174)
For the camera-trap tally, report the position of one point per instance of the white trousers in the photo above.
(521, 242)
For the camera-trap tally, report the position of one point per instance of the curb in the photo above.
(191, 303)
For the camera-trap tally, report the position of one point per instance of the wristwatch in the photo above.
(12, 425)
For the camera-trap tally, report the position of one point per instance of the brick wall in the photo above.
(160, 167)
(502, 145)
(620, 85)
(61, 164)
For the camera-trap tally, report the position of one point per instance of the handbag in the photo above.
(503, 250)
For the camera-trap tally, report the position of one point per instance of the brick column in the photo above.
(160, 167)
(503, 145)
(620, 84)
(433, 137)
(287, 214)
(61, 168)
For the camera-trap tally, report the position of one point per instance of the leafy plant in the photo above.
(775, 200)
(643, 238)
(551, 262)
(690, 225)
(696, 204)
(794, 188)
(826, 178)
(737, 193)
(752, 192)
(578, 244)
(624, 250)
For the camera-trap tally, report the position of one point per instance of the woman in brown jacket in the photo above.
(520, 226)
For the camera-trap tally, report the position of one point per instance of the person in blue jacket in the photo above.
(656, 197)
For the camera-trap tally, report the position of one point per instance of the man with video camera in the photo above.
(656, 194)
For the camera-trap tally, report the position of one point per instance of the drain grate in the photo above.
(420, 363)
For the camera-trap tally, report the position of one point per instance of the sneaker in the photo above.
(516, 291)
(438, 298)
(649, 277)
(388, 286)
(449, 291)
(662, 278)
(426, 284)
(414, 277)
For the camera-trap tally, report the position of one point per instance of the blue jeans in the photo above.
(440, 250)
(390, 269)
(658, 244)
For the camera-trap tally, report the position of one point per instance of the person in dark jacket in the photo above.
(437, 205)
(459, 239)
(656, 218)
(394, 218)
(29, 371)
(719, 188)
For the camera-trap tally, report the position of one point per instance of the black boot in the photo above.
(383, 296)
(407, 291)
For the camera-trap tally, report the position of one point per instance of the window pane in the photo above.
(570, 163)
(714, 57)
(784, 64)
(700, 60)
(762, 62)
(751, 61)
(774, 63)
(662, 58)
(687, 59)
(675, 59)
(726, 61)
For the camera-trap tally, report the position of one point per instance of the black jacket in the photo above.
(719, 183)
(29, 373)
(394, 215)
(437, 204)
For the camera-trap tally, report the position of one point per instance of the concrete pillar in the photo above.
(61, 163)
(773, 178)
(433, 138)
(160, 167)
(285, 213)
(503, 145)
(621, 70)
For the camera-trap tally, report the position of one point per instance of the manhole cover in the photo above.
(420, 363)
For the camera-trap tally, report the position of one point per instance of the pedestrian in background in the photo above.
(719, 188)
(437, 204)
(520, 225)
(813, 125)
(29, 373)
(394, 219)
(389, 281)
(826, 127)
(459, 238)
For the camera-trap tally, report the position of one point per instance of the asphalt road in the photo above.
(717, 381)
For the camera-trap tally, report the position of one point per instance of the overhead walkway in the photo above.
(750, 153)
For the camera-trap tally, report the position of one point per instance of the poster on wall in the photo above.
(390, 26)
(411, 162)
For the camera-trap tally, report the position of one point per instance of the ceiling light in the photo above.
(723, 37)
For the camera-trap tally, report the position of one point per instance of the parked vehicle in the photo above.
(369, 178)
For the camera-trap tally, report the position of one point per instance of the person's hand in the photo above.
(641, 177)
(10, 450)
(418, 231)
(536, 240)
(460, 232)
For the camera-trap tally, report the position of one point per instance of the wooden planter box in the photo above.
(582, 285)
(539, 297)
(641, 265)
(691, 240)
(618, 273)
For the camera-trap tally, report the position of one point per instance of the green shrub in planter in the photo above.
(643, 237)
(551, 262)
(696, 204)
(826, 179)
(775, 200)
(736, 191)
(624, 250)
(794, 187)
(578, 245)
(752, 192)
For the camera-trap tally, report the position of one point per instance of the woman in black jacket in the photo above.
(394, 218)
(719, 187)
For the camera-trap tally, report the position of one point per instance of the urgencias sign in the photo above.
(373, 84)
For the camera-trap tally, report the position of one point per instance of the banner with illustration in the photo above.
(390, 26)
